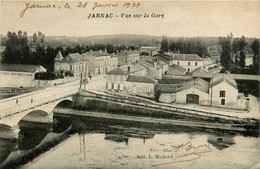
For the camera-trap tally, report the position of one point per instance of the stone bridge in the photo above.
(13, 109)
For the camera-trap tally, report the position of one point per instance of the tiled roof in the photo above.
(98, 53)
(222, 78)
(117, 71)
(141, 79)
(199, 71)
(168, 88)
(187, 57)
(133, 68)
(161, 58)
(149, 63)
(170, 81)
(176, 70)
(59, 56)
(197, 83)
(19, 67)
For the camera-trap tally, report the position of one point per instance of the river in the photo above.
(95, 143)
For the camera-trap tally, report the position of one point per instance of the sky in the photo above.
(181, 18)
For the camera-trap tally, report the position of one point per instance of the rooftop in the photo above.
(150, 63)
(199, 71)
(141, 79)
(198, 83)
(168, 88)
(171, 81)
(187, 57)
(176, 70)
(19, 67)
(219, 78)
(123, 70)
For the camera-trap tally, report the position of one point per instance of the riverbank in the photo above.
(18, 158)
(92, 101)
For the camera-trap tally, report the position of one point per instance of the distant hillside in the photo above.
(121, 39)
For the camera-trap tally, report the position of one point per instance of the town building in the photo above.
(167, 89)
(140, 85)
(127, 57)
(220, 91)
(131, 79)
(194, 91)
(101, 62)
(74, 63)
(188, 61)
(223, 92)
(154, 67)
(176, 70)
(19, 75)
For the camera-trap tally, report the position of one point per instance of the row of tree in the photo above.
(233, 55)
(185, 45)
(23, 50)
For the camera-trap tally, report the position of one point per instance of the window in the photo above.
(109, 85)
(188, 69)
(70, 67)
(222, 93)
(188, 63)
(223, 101)
(178, 63)
(121, 86)
(148, 88)
(115, 86)
(80, 66)
(196, 63)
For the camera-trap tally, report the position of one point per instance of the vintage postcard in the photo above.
(129, 84)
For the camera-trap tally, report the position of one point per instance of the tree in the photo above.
(238, 47)
(17, 49)
(225, 57)
(164, 44)
(255, 49)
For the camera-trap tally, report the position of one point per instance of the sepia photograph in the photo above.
(163, 84)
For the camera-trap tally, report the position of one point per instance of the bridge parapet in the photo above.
(20, 103)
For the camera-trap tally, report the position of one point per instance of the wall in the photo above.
(231, 95)
(203, 97)
(192, 66)
(48, 83)
(141, 89)
(16, 79)
(140, 73)
(167, 97)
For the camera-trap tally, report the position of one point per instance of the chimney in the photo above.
(128, 69)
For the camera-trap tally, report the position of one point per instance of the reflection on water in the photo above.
(30, 138)
(6, 147)
(98, 143)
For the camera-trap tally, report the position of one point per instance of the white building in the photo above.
(194, 91)
(18, 75)
(188, 61)
(223, 92)
(73, 62)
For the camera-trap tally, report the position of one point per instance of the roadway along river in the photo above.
(97, 143)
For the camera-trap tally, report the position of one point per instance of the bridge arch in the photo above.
(13, 120)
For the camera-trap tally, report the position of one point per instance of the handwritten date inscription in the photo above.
(81, 5)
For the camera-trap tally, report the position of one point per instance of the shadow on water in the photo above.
(31, 135)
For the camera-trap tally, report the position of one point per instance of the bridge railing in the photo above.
(32, 101)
